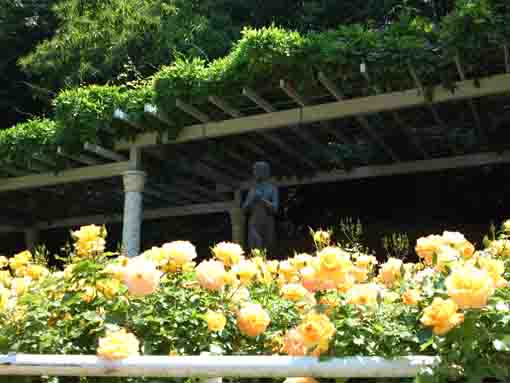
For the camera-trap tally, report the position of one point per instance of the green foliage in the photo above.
(24, 141)
(96, 38)
(264, 56)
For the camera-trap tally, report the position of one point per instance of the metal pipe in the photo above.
(213, 366)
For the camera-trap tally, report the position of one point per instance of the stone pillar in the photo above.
(31, 238)
(134, 181)
(237, 220)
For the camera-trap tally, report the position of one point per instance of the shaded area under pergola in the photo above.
(325, 135)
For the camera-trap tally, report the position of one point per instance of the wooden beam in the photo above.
(292, 93)
(192, 209)
(398, 120)
(430, 105)
(82, 174)
(362, 120)
(258, 100)
(13, 171)
(507, 58)
(192, 111)
(103, 152)
(481, 132)
(421, 166)
(283, 146)
(225, 106)
(492, 85)
(82, 159)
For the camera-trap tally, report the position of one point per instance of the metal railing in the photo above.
(208, 367)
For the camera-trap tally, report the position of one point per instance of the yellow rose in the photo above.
(442, 316)
(454, 238)
(216, 321)
(330, 302)
(334, 258)
(321, 238)
(228, 253)
(20, 261)
(301, 260)
(495, 268)
(506, 225)
(36, 271)
(5, 278)
(411, 297)
(365, 261)
(294, 343)
(364, 294)
(89, 294)
(4, 262)
(115, 270)
(4, 298)
(157, 255)
(287, 271)
(500, 248)
(467, 250)
(426, 247)
(246, 271)
(240, 295)
(390, 271)
(301, 380)
(446, 256)
(469, 287)
(272, 266)
(317, 331)
(89, 240)
(294, 292)
(252, 319)
(118, 345)
(20, 285)
(211, 275)
(181, 252)
(109, 288)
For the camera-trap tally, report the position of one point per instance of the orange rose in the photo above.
(411, 297)
(442, 316)
(469, 287)
(252, 319)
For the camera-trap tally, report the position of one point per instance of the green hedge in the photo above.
(266, 55)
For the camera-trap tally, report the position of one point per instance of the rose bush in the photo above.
(454, 302)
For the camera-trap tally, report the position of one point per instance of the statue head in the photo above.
(261, 170)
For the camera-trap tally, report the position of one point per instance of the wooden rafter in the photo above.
(103, 152)
(498, 84)
(225, 106)
(476, 116)
(433, 110)
(305, 135)
(192, 111)
(403, 126)
(362, 120)
(281, 144)
(80, 158)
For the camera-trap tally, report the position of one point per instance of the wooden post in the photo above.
(237, 220)
(31, 238)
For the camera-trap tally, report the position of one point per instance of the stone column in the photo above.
(134, 181)
(237, 220)
(31, 238)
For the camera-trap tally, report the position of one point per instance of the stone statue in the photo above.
(261, 205)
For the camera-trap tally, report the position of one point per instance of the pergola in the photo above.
(301, 135)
